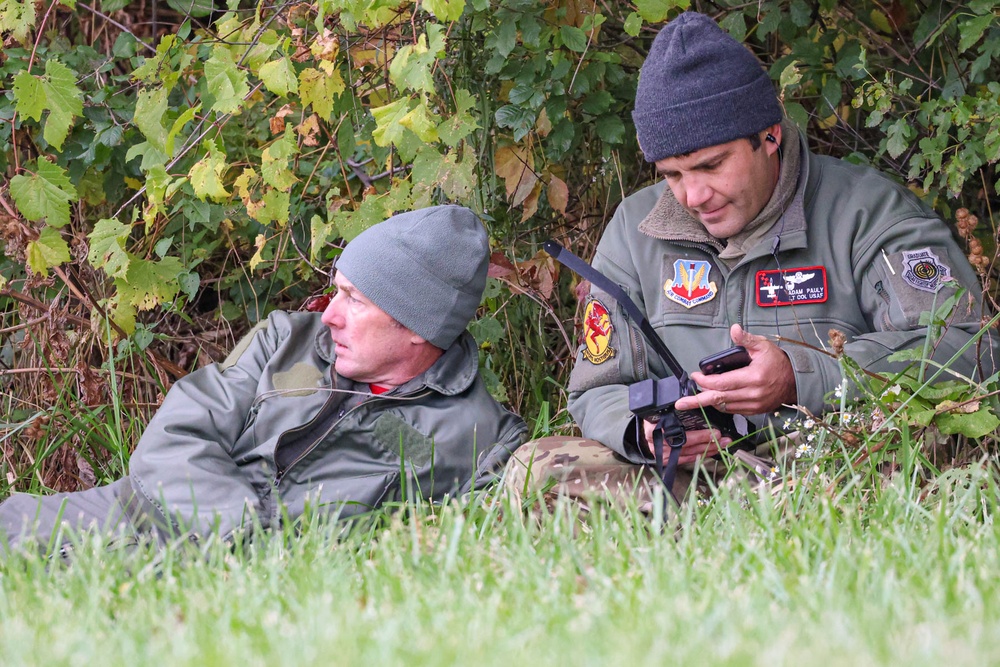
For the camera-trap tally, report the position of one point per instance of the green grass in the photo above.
(893, 575)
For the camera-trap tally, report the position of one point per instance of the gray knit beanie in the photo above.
(699, 87)
(425, 268)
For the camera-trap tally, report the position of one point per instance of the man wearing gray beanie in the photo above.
(750, 239)
(340, 411)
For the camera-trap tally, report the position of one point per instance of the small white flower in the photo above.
(788, 424)
(894, 390)
(810, 438)
(839, 391)
(808, 424)
(804, 450)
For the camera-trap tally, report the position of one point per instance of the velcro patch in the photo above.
(597, 330)
(790, 287)
(923, 270)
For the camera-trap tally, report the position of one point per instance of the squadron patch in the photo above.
(922, 269)
(690, 285)
(789, 287)
(597, 330)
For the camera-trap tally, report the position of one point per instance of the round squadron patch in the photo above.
(597, 330)
(922, 269)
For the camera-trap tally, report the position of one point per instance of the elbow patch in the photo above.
(241, 347)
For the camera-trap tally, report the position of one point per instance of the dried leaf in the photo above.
(558, 193)
(277, 121)
(515, 165)
(308, 129)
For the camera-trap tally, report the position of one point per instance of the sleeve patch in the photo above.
(924, 271)
(597, 333)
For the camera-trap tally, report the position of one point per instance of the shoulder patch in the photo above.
(690, 285)
(923, 270)
(242, 346)
(597, 332)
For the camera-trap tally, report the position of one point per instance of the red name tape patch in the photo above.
(790, 287)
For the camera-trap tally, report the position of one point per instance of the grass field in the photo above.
(893, 574)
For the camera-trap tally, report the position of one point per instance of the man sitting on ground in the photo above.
(338, 412)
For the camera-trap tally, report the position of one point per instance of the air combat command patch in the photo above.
(922, 269)
(597, 330)
(690, 285)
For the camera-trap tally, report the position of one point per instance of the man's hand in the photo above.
(706, 442)
(763, 386)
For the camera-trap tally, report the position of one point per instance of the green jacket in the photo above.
(274, 429)
(853, 251)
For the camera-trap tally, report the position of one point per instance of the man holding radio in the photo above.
(750, 240)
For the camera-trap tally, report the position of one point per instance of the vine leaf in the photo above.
(107, 246)
(46, 194)
(150, 109)
(17, 16)
(320, 90)
(148, 283)
(274, 162)
(206, 175)
(48, 250)
(55, 92)
(388, 129)
(278, 76)
(226, 82)
(445, 10)
(419, 121)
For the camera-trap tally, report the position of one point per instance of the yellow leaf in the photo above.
(558, 194)
(531, 202)
(515, 165)
(259, 243)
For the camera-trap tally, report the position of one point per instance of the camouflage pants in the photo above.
(587, 472)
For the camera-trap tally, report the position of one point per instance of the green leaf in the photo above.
(178, 125)
(50, 249)
(29, 96)
(18, 17)
(320, 90)
(972, 30)
(107, 246)
(189, 282)
(272, 208)
(226, 82)
(419, 121)
(193, 8)
(278, 76)
(44, 195)
(610, 129)
(388, 129)
(975, 425)
(148, 283)
(505, 36)
(206, 175)
(597, 102)
(411, 67)
(516, 118)
(735, 25)
(150, 110)
(460, 124)
(445, 10)
(159, 69)
(487, 330)
(274, 162)
(56, 92)
(633, 24)
(881, 22)
(65, 101)
(897, 138)
(653, 11)
(573, 38)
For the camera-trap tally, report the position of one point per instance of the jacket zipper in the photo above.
(340, 418)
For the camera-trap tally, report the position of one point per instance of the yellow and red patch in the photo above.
(597, 330)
